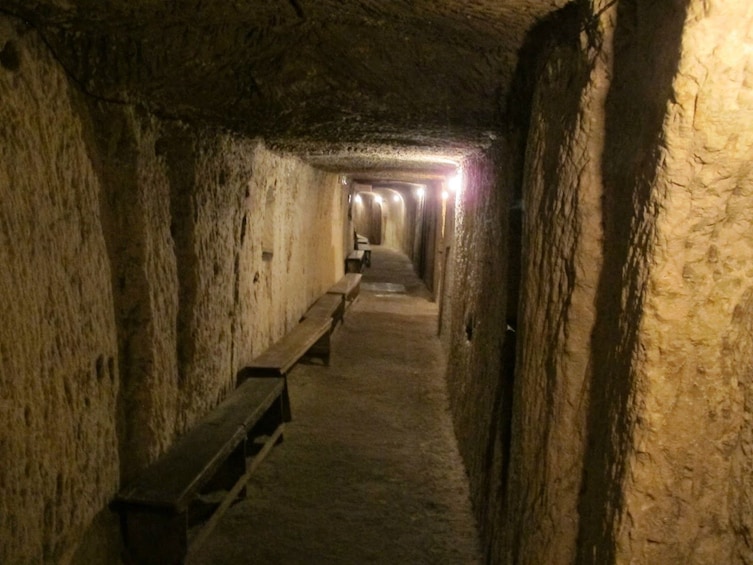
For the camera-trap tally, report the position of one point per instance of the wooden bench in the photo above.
(348, 287)
(280, 358)
(363, 244)
(329, 307)
(218, 454)
(366, 248)
(354, 262)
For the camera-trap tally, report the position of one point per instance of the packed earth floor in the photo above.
(369, 471)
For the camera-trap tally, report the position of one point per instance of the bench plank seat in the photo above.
(349, 286)
(219, 453)
(327, 306)
(175, 478)
(354, 261)
(366, 248)
(280, 358)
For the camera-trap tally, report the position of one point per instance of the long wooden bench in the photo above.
(329, 307)
(366, 248)
(348, 287)
(354, 262)
(363, 244)
(280, 358)
(218, 454)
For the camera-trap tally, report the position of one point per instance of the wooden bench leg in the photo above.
(155, 537)
(284, 404)
(227, 475)
(320, 350)
(252, 464)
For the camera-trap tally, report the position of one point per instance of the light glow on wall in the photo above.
(420, 192)
(396, 198)
(377, 199)
(358, 199)
(455, 182)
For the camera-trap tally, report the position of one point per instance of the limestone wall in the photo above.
(631, 431)
(396, 221)
(684, 317)
(476, 381)
(426, 227)
(209, 234)
(58, 339)
(561, 236)
(145, 262)
(298, 202)
(368, 217)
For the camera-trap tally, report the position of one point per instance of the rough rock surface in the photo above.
(386, 80)
(686, 486)
(58, 340)
(367, 213)
(631, 435)
(152, 245)
(201, 227)
(398, 227)
(145, 262)
(561, 258)
(476, 380)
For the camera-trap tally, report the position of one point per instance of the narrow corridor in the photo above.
(180, 181)
(369, 471)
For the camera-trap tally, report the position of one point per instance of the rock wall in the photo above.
(561, 256)
(446, 261)
(58, 340)
(396, 222)
(145, 262)
(631, 403)
(674, 432)
(297, 201)
(476, 295)
(202, 226)
(426, 226)
(367, 215)
(630, 436)
(135, 209)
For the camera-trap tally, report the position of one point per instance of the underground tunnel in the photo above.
(571, 182)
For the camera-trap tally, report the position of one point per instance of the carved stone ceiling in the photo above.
(398, 86)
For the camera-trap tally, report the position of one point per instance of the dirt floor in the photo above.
(369, 471)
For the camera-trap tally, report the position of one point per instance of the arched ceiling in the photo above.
(403, 87)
